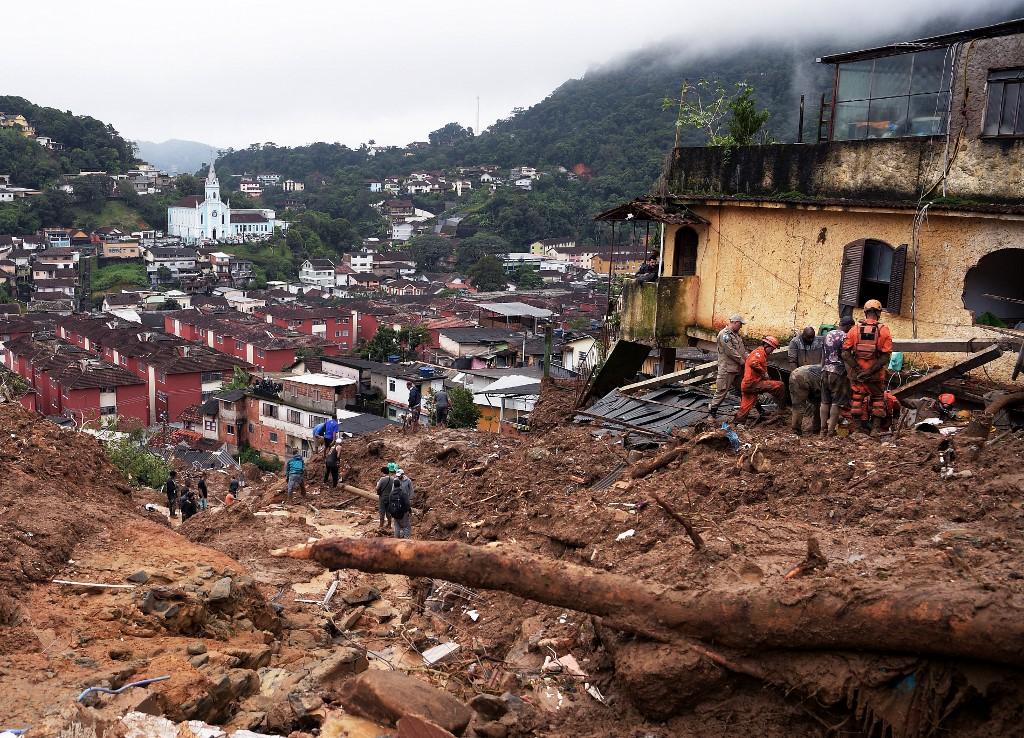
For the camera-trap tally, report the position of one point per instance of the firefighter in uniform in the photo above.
(755, 379)
(866, 352)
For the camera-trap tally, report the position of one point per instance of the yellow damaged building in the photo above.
(913, 195)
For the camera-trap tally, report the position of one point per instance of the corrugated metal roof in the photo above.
(658, 411)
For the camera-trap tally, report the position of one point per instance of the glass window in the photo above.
(893, 96)
(855, 80)
(891, 76)
(850, 121)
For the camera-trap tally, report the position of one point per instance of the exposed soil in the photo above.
(879, 508)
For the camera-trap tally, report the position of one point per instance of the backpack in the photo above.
(397, 506)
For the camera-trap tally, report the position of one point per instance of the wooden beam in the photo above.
(655, 382)
(957, 367)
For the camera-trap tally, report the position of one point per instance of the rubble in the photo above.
(223, 619)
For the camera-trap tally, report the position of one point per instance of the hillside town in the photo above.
(742, 456)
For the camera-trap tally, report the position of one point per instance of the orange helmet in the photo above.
(946, 398)
(873, 305)
(771, 341)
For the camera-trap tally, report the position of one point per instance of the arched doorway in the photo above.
(214, 234)
(993, 288)
(684, 253)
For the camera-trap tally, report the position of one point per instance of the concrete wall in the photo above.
(896, 169)
(780, 267)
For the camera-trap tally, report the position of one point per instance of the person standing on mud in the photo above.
(332, 466)
(835, 386)
(805, 348)
(731, 356)
(294, 472)
(204, 492)
(415, 400)
(441, 407)
(866, 353)
(400, 505)
(384, 486)
(171, 490)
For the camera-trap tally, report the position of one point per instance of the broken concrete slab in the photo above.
(413, 726)
(439, 653)
(387, 696)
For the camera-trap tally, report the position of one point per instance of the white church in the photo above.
(194, 219)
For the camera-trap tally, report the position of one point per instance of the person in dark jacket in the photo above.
(171, 489)
(383, 489)
(189, 504)
(402, 486)
(331, 466)
(415, 400)
(204, 492)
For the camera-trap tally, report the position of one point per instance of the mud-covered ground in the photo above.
(879, 508)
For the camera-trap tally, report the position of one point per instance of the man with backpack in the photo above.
(294, 472)
(383, 488)
(400, 504)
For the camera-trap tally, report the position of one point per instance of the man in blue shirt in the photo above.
(327, 431)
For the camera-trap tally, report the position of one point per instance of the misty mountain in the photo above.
(176, 155)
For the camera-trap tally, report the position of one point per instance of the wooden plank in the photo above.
(672, 378)
(957, 367)
(72, 583)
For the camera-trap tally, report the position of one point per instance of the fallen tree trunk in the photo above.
(946, 620)
(663, 460)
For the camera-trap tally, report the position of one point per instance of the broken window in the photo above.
(684, 254)
(1003, 113)
(993, 290)
(892, 97)
(872, 270)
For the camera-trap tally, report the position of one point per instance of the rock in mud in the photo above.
(343, 663)
(413, 726)
(195, 648)
(139, 577)
(220, 591)
(488, 706)
(387, 696)
(363, 595)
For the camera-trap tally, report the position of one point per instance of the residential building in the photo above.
(360, 261)
(938, 245)
(72, 382)
(245, 337)
(398, 208)
(290, 185)
(283, 423)
(120, 250)
(618, 262)
(122, 301)
(428, 377)
(338, 326)
(165, 264)
(403, 287)
(317, 272)
(251, 188)
(513, 316)
(178, 375)
(544, 245)
(402, 231)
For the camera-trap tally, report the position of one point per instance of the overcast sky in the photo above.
(235, 72)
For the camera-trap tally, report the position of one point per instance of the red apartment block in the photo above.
(70, 380)
(177, 374)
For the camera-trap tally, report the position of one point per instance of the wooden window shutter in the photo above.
(894, 301)
(850, 274)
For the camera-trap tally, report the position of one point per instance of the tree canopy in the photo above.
(488, 275)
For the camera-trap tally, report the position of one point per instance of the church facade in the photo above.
(195, 219)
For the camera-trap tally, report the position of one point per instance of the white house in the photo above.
(578, 354)
(317, 273)
(402, 231)
(360, 261)
(396, 399)
(290, 185)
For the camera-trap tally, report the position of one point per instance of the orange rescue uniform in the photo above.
(755, 381)
(868, 340)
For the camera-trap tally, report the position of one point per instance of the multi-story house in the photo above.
(317, 272)
(909, 194)
(165, 264)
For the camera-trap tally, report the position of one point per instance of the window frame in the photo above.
(1003, 78)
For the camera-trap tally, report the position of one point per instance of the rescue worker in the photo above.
(805, 348)
(804, 396)
(731, 356)
(866, 353)
(835, 385)
(756, 381)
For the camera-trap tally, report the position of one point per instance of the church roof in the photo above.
(248, 218)
(188, 202)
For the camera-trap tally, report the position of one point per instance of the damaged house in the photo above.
(912, 194)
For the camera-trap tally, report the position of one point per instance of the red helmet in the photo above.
(946, 398)
(771, 341)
